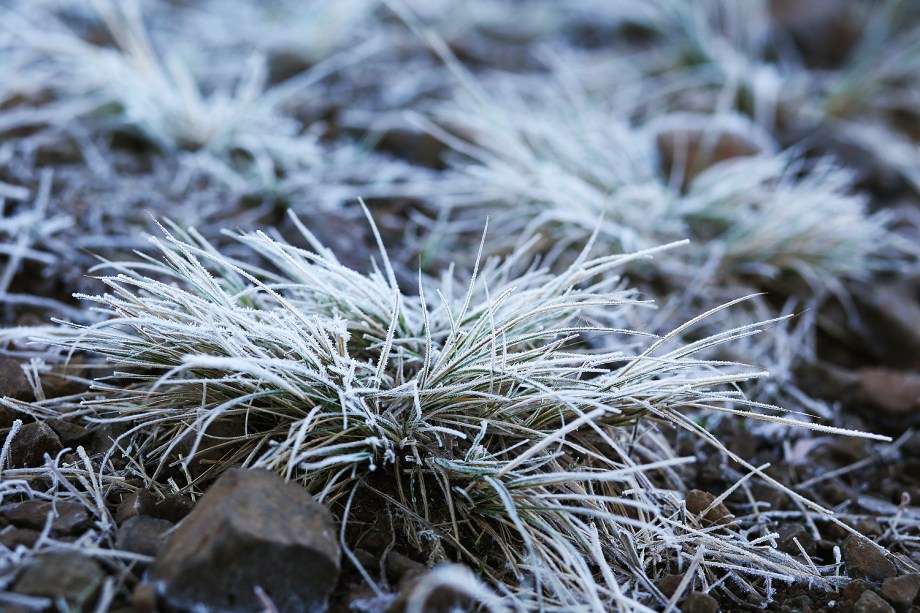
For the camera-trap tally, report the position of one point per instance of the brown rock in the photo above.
(697, 149)
(870, 602)
(31, 443)
(789, 533)
(174, 507)
(11, 539)
(698, 602)
(698, 501)
(901, 591)
(853, 590)
(138, 502)
(669, 584)
(250, 529)
(442, 599)
(13, 382)
(866, 560)
(398, 565)
(69, 433)
(66, 576)
(143, 534)
(144, 598)
(69, 518)
(895, 393)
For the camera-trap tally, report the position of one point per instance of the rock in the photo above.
(138, 502)
(869, 527)
(865, 560)
(901, 591)
(143, 534)
(24, 537)
(144, 598)
(67, 576)
(13, 382)
(442, 599)
(697, 149)
(824, 30)
(669, 584)
(174, 507)
(889, 312)
(698, 501)
(789, 533)
(853, 590)
(896, 394)
(398, 566)
(7, 417)
(250, 529)
(698, 602)
(803, 604)
(870, 602)
(70, 518)
(31, 443)
(69, 433)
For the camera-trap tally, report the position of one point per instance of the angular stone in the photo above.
(174, 507)
(698, 602)
(68, 576)
(790, 533)
(31, 443)
(25, 537)
(69, 518)
(138, 502)
(143, 534)
(870, 602)
(901, 591)
(698, 501)
(865, 560)
(896, 394)
(69, 433)
(13, 382)
(250, 530)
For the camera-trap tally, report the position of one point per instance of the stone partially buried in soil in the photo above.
(67, 576)
(31, 443)
(250, 530)
(901, 591)
(865, 560)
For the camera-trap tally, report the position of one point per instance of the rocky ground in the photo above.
(91, 520)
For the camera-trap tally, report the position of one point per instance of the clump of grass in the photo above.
(561, 162)
(475, 415)
(235, 122)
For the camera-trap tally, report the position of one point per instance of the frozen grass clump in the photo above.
(236, 121)
(561, 164)
(782, 215)
(474, 416)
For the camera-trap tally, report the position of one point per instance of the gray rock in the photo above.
(901, 591)
(143, 534)
(69, 576)
(870, 602)
(250, 530)
(31, 443)
(865, 560)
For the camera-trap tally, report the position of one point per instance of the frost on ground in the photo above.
(679, 197)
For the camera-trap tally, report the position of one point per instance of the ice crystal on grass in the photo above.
(473, 413)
